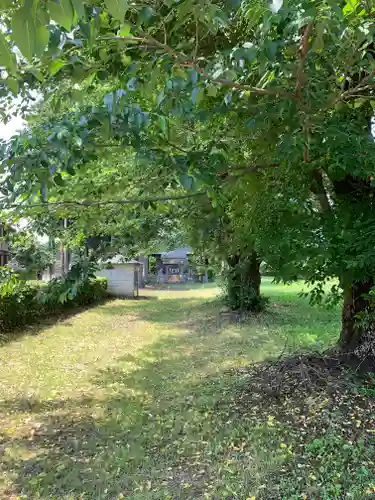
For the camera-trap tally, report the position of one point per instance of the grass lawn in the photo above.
(149, 399)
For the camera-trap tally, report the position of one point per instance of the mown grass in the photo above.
(145, 400)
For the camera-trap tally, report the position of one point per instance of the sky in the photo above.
(14, 125)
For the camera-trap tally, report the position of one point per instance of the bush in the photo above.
(211, 274)
(242, 297)
(61, 294)
(241, 288)
(19, 306)
(22, 302)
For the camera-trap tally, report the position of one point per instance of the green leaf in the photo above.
(37, 73)
(79, 8)
(125, 30)
(41, 38)
(24, 32)
(42, 14)
(197, 95)
(350, 7)
(88, 30)
(145, 15)
(117, 8)
(62, 12)
(186, 181)
(103, 54)
(163, 124)
(7, 58)
(58, 180)
(318, 43)
(12, 85)
(359, 102)
(77, 95)
(55, 66)
(212, 90)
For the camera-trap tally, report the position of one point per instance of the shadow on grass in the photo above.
(163, 423)
(153, 431)
(300, 324)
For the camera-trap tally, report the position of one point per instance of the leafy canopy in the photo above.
(274, 97)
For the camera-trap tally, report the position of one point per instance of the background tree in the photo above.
(28, 254)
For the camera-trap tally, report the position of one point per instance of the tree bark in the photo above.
(254, 278)
(357, 325)
(244, 275)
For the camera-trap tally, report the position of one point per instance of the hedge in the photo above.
(29, 302)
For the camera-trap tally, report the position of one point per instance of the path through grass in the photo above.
(137, 400)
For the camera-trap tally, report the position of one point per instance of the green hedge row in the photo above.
(26, 303)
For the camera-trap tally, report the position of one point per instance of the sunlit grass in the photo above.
(130, 399)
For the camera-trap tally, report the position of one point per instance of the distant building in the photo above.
(173, 266)
(122, 275)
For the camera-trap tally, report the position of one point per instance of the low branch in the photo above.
(240, 86)
(247, 169)
(109, 145)
(350, 93)
(133, 201)
(304, 48)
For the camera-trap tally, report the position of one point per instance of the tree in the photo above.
(215, 230)
(280, 93)
(29, 254)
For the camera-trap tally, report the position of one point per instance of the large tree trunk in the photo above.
(253, 275)
(357, 324)
(243, 281)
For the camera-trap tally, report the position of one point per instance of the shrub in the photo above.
(211, 274)
(19, 306)
(242, 297)
(60, 294)
(22, 302)
(241, 288)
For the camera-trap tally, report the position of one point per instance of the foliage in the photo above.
(19, 302)
(368, 388)
(8, 280)
(240, 292)
(28, 253)
(239, 295)
(23, 302)
(273, 99)
(345, 468)
(69, 286)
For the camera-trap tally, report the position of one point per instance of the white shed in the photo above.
(122, 276)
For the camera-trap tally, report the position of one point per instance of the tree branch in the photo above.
(350, 93)
(109, 145)
(240, 86)
(133, 201)
(304, 48)
(196, 38)
(318, 189)
(247, 169)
